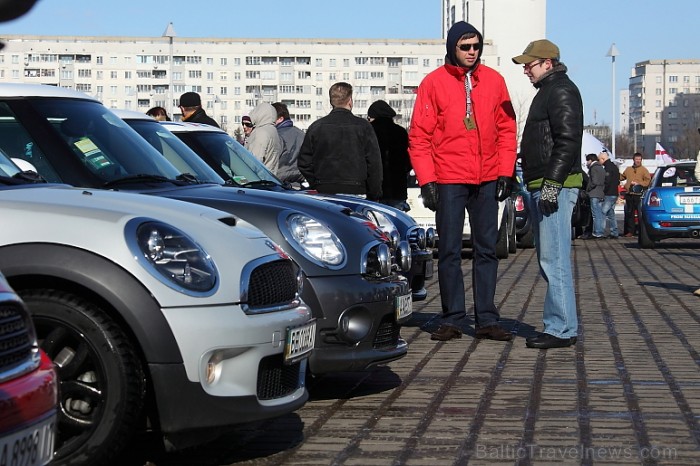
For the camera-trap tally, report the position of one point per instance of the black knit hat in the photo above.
(380, 109)
(190, 99)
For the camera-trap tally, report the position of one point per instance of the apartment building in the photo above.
(231, 75)
(663, 105)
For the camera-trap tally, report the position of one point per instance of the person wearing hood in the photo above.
(550, 151)
(264, 141)
(192, 111)
(462, 145)
(393, 145)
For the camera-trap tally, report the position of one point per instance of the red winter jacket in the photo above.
(441, 147)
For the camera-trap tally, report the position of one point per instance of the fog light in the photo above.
(430, 237)
(403, 256)
(213, 369)
(354, 325)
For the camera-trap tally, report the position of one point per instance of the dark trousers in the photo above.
(479, 201)
(631, 206)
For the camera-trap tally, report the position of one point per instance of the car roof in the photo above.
(131, 114)
(187, 127)
(40, 90)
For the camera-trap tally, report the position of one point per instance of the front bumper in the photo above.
(233, 368)
(355, 322)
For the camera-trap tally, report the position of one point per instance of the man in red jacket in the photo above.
(462, 145)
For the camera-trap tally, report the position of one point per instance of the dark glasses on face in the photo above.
(468, 47)
(248, 125)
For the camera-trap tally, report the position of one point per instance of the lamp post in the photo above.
(612, 53)
(170, 34)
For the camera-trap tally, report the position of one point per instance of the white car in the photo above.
(506, 220)
(157, 313)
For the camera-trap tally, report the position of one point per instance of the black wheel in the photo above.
(644, 240)
(527, 240)
(101, 381)
(512, 239)
(502, 243)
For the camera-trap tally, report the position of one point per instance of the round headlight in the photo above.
(316, 241)
(384, 224)
(174, 258)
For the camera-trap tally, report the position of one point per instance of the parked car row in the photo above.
(173, 300)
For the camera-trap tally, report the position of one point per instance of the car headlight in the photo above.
(316, 241)
(385, 225)
(172, 257)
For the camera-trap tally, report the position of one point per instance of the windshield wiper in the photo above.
(140, 178)
(27, 177)
(258, 183)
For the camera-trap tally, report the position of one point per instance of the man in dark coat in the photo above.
(192, 111)
(393, 144)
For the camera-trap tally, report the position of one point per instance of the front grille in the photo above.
(387, 334)
(276, 379)
(273, 284)
(15, 337)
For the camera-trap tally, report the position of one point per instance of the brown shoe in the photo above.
(628, 235)
(445, 333)
(494, 332)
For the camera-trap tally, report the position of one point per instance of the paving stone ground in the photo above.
(627, 393)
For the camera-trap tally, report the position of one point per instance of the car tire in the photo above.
(644, 240)
(101, 380)
(502, 243)
(527, 240)
(512, 238)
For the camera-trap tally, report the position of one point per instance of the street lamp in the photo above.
(612, 53)
(170, 34)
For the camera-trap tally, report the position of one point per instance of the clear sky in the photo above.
(584, 30)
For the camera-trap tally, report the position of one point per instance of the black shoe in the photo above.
(445, 333)
(545, 340)
(493, 332)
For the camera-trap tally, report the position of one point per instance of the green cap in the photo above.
(536, 50)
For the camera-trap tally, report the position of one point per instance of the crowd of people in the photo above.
(462, 147)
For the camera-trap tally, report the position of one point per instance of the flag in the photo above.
(662, 156)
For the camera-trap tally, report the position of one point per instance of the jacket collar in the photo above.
(460, 72)
(548, 76)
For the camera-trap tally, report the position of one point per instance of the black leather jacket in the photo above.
(551, 144)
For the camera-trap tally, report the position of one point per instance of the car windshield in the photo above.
(678, 175)
(55, 134)
(228, 158)
(175, 151)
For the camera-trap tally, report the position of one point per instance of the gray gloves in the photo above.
(549, 197)
(429, 193)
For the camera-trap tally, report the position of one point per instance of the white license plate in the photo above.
(403, 306)
(300, 342)
(32, 446)
(689, 200)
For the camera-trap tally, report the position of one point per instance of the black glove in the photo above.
(549, 197)
(504, 186)
(429, 193)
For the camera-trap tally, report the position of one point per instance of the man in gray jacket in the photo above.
(596, 194)
(292, 138)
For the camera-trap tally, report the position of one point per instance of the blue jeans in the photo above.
(480, 203)
(553, 245)
(609, 212)
(598, 217)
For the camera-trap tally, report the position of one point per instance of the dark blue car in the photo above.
(671, 206)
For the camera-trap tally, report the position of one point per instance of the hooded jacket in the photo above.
(441, 148)
(393, 145)
(264, 141)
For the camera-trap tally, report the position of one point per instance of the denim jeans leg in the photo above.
(553, 246)
(598, 218)
(449, 220)
(483, 207)
(609, 212)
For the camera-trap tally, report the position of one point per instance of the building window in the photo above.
(237, 61)
(319, 62)
(252, 61)
(223, 61)
(127, 75)
(223, 90)
(333, 62)
(426, 62)
(195, 74)
(673, 79)
(210, 61)
(210, 75)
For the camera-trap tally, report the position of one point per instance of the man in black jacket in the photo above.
(612, 183)
(340, 153)
(192, 111)
(550, 150)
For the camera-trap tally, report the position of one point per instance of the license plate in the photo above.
(32, 446)
(689, 200)
(300, 342)
(403, 306)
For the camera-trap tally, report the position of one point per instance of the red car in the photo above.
(28, 387)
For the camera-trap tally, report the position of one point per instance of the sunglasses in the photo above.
(468, 47)
(247, 125)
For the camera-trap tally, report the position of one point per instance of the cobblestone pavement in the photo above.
(628, 392)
